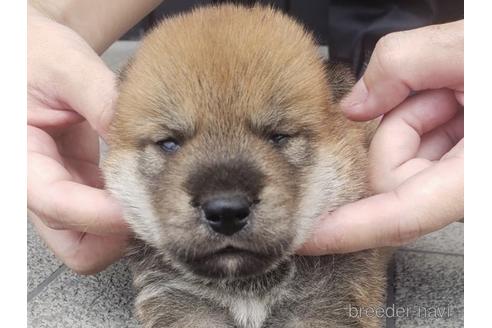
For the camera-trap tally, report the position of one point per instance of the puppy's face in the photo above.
(226, 144)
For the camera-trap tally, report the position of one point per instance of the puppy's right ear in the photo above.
(340, 80)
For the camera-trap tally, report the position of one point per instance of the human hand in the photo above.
(416, 155)
(70, 98)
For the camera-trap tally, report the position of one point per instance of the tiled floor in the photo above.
(426, 279)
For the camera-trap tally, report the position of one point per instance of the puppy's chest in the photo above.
(247, 309)
(249, 312)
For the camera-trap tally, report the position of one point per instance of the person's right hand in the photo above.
(70, 102)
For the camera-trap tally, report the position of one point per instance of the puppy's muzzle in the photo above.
(225, 193)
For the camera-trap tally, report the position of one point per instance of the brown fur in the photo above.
(221, 81)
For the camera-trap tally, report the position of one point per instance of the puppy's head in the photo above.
(227, 143)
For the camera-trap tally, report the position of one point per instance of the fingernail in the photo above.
(355, 98)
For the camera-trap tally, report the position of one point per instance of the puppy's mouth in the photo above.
(231, 251)
(230, 262)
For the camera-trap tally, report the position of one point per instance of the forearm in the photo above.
(100, 23)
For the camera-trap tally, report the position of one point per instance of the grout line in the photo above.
(390, 291)
(429, 252)
(33, 293)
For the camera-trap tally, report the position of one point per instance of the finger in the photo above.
(79, 147)
(427, 202)
(79, 142)
(439, 141)
(69, 205)
(425, 58)
(51, 119)
(395, 145)
(82, 252)
(86, 209)
(84, 173)
(59, 200)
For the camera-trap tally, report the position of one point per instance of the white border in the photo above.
(478, 162)
(13, 164)
(478, 167)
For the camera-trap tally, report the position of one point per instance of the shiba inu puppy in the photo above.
(226, 145)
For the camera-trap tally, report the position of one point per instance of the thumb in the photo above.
(426, 202)
(90, 89)
(425, 58)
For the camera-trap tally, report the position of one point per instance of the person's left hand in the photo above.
(417, 154)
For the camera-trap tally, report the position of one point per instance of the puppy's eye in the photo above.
(169, 145)
(279, 139)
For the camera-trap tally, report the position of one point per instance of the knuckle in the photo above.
(389, 43)
(435, 28)
(406, 232)
(80, 266)
(52, 223)
(49, 220)
(78, 261)
(389, 52)
(406, 229)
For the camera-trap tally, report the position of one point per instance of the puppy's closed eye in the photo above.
(169, 145)
(279, 139)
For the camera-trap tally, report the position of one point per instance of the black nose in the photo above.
(227, 215)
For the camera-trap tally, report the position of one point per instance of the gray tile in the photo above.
(104, 300)
(41, 263)
(447, 240)
(118, 54)
(429, 282)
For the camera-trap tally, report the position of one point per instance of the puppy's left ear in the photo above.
(340, 80)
